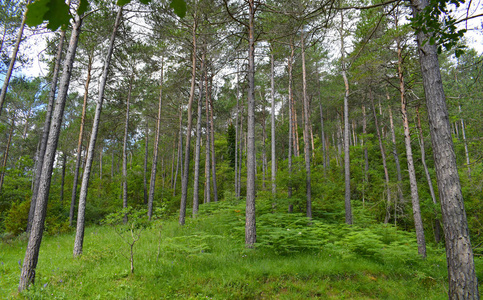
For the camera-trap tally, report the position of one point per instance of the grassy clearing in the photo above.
(206, 259)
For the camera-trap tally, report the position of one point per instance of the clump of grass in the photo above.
(206, 258)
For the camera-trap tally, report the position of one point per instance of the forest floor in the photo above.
(206, 259)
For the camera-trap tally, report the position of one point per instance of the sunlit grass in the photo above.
(206, 259)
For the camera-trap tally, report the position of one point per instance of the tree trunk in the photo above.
(322, 139)
(45, 130)
(291, 125)
(467, 154)
(437, 223)
(124, 147)
(250, 221)
(237, 133)
(463, 283)
(307, 156)
(13, 58)
(366, 156)
(79, 144)
(145, 169)
(179, 159)
(185, 175)
(272, 128)
(418, 221)
(5, 155)
(64, 162)
(213, 158)
(264, 148)
(32, 252)
(395, 154)
(347, 175)
(208, 147)
(384, 163)
(79, 235)
(196, 177)
(154, 166)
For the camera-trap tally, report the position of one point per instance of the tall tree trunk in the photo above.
(208, 147)
(463, 283)
(467, 154)
(437, 223)
(418, 221)
(145, 169)
(347, 175)
(179, 159)
(79, 144)
(240, 159)
(154, 166)
(384, 161)
(272, 124)
(62, 184)
(264, 148)
(5, 155)
(322, 139)
(45, 130)
(366, 156)
(237, 133)
(196, 177)
(32, 252)
(308, 188)
(79, 235)
(13, 58)
(185, 175)
(395, 154)
(250, 221)
(291, 125)
(213, 157)
(124, 146)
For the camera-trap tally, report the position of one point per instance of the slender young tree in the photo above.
(79, 235)
(272, 121)
(152, 180)
(307, 155)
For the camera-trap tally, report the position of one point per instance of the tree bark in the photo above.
(250, 221)
(395, 154)
(13, 58)
(272, 128)
(62, 184)
(437, 223)
(179, 159)
(145, 169)
(237, 133)
(79, 144)
(196, 177)
(213, 157)
(185, 175)
(5, 155)
(384, 163)
(467, 154)
(208, 147)
(45, 130)
(347, 175)
(418, 221)
(290, 126)
(32, 252)
(307, 156)
(124, 146)
(154, 166)
(366, 155)
(463, 283)
(79, 236)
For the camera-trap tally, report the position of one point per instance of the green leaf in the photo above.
(36, 11)
(123, 2)
(179, 7)
(83, 6)
(57, 15)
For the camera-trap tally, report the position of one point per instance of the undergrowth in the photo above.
(295, 258)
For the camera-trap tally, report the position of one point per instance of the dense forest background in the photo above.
(335, 112)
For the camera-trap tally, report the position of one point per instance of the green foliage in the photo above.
(231, 141)
(17, 217)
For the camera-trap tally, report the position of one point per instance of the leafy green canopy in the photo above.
(57, 13)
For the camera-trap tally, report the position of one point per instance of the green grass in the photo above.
(206, 259)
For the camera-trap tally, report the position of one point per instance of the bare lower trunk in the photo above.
(79, 235)
(185, 175)
(124, 147)
(152, 180)
(395, 154)
(347, 175)
(384, 163)
(5, 155)
(27, 276)
(307, 156)
(64, 162)
(45, 130)
(463, 283)
(208, 147)
(13, 58)
(467, 154)
(237, 133)
(437, 223)
(145, 169)
(250, 221)
(196, 177)
(290, 127)
(179, 159)
(79, 144)
(213, 157)
(272, 128)
(366, 156)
